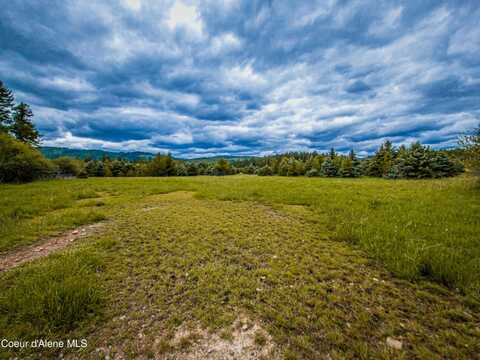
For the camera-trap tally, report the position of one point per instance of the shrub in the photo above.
(312, 173)
(21, 163)
(265, 171)
(82, 174)
(181, 170)
(67, 166)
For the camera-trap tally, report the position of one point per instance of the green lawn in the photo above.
(326, 266)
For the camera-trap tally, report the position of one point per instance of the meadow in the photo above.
(328, 268)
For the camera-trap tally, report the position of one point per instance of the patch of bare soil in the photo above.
(46, 247)
(247, 341)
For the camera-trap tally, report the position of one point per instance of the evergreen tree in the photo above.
(161, 165)
(356, 166)
(328, 168)
(416, 163)
(442, 166)
(283, 167)
(6, 106)
(317, 162)
(332, 154)
(22, 127)
(346, 169)
(292, 167)
(382, 161)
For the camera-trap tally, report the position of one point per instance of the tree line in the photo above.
(20, 160)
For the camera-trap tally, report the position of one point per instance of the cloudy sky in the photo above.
(209, 77)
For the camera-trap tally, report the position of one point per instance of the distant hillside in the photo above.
(56, 152)
(216, 158)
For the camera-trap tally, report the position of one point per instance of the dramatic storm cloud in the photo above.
(244, 77)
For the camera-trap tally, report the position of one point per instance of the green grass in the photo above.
(50, 298)
(328, 266)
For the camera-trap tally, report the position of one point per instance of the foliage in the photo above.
(68, 166)
(400, 163)
(329, 169)
(21, 163)
(6, 105)
(382, 161)
(420, 162)
(161, 165)
(471, 146)
(22, 127)
(222, 167)
(265, 171)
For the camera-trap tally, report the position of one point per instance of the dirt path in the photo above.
(46, 247)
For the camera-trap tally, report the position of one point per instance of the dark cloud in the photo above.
(358, 87)
(205, 77)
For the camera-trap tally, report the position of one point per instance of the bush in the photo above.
(82, 174)
(21, 163)
(265, 171)
(67, 166)
(312, 173)
(181, 170)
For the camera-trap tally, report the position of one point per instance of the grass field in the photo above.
(329, 268)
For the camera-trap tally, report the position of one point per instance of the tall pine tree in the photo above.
(22, 127)
(6, 105)
(381, 163)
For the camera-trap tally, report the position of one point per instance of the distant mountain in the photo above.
(216, 158)
(56, 152)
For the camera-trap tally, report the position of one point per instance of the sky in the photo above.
(255, 77)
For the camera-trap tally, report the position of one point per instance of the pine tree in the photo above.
(332, 154)
(442, 166)
(328, 168)
(6, 106)
(356, 164)
(382, 161)
(22, 127)
(415, 162)
(283, 167)
(346, 169)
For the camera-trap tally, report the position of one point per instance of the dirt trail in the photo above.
(46, 247)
